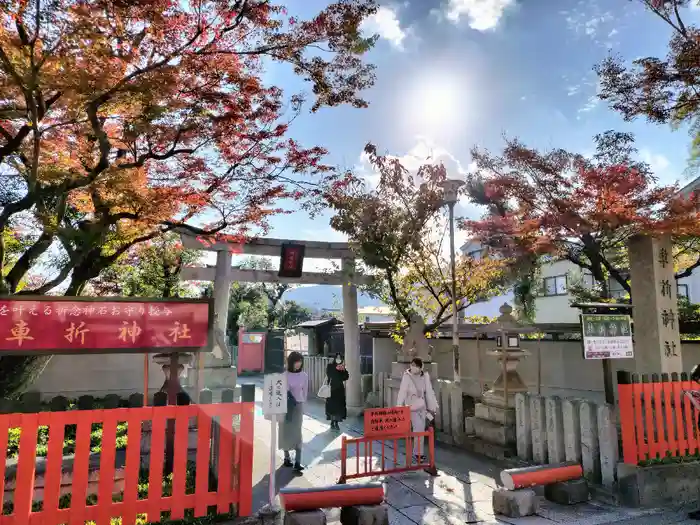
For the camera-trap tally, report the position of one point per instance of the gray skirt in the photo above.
(290, 431)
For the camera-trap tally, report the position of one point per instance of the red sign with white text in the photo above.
(54, 325)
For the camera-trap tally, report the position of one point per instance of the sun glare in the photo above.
(435, 105)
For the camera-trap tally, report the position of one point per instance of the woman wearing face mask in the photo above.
(336, 374)
(416, 392)
(290, 437)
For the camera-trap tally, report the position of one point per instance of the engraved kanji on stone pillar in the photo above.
(657, 343)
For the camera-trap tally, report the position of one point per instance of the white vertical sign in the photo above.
(275, 395)
(274, 406)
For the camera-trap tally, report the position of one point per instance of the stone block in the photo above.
(219, 377)
(608, 440)
(572, 430)
(523, 426)
(270, 515)
(481, 411)
(469, 425)
(659, 485)
(504, 416)
(590, 445)
(365, 515)
(538, 418)
(456, 413)
(307, 517)
(555, 430)
(567, 492)
(515, 503)
(494, 432)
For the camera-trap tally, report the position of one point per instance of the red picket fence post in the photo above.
(656, 418)
(234, 474)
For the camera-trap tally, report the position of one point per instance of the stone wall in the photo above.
(562, 369)
(96, 375)
(449, 420)
(552, 430)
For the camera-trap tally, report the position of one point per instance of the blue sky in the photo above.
(455, 73)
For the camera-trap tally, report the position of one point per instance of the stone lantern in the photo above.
(508, 354)
(494, 419)
(172, 385)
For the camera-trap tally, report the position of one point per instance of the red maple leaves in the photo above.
(127, 119)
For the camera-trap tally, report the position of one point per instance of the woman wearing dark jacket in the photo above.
(335, 405)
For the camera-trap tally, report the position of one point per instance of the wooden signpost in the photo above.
(274, 406)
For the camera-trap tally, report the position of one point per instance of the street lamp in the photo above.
(450, 189)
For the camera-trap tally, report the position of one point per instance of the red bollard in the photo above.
(333, 496)
(519, 478)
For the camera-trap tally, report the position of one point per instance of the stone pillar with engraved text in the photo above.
(657, 344)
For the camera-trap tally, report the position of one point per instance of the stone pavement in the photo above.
(460, 494)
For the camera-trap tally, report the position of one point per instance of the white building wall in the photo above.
(556, 308)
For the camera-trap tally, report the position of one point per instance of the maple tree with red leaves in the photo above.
(397, 228)
(664, 90)
(123, 120)
(583, 210)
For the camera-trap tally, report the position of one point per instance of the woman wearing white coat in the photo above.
(416, 391)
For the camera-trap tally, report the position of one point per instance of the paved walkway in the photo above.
(460, 494)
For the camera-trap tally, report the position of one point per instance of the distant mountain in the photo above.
(328, 297)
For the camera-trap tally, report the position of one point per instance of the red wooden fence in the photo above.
(656, 418)
(235, 464)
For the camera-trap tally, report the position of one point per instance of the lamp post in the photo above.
(450, 189)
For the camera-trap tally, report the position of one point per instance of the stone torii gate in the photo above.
(223, 275)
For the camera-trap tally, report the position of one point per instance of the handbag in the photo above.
(325, 391)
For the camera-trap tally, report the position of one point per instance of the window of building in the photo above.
(682, 290)
(588, 280)
(366, 318)
(555, 285)
(616, 289)
(474, 254)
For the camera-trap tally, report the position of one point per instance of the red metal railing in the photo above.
(366, 446)
(235, 464)
(656, 417)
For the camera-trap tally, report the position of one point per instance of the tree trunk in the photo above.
(17, 372)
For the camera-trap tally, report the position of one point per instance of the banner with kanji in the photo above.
(54, 325)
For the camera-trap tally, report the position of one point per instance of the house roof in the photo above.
(317, 323)
(692, 186)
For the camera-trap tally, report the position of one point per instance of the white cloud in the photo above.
(590, 104)
(588, 83)
(385, 22)
(482, 14)
(658, 162)
(590, 20)
(426, 151)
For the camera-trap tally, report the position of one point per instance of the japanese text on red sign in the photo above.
(386, 421)
(46, 325)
